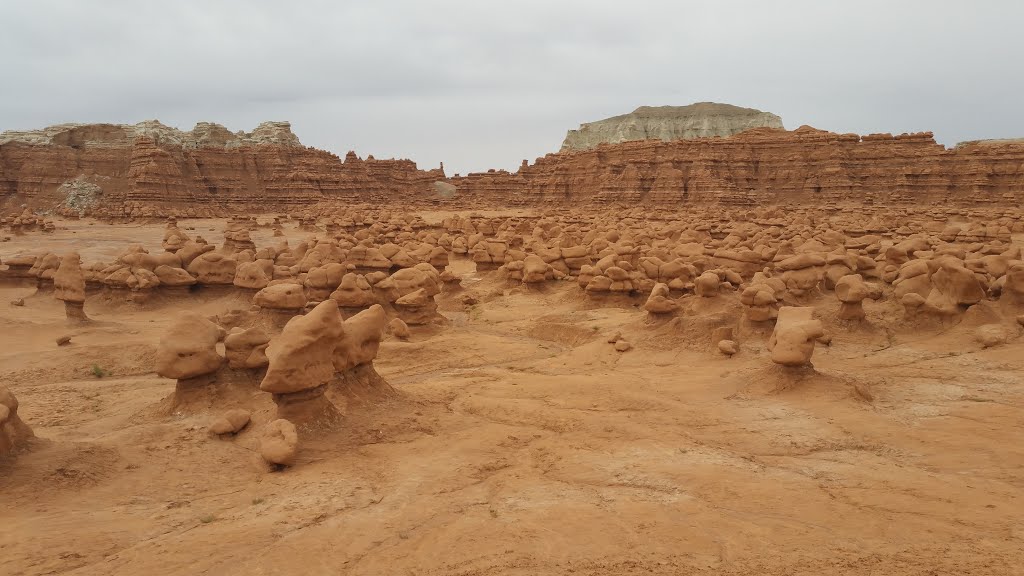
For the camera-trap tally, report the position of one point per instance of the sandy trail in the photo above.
(522, 444)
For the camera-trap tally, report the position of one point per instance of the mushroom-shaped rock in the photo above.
(13, 431)
(280, 443)
(189, 348)
(796, 330)
(68, 280)
(69, 286)
(246, 348)
(301, 358)
(285, 296)
(231, 422)
(851, 291)
(660, 301)
(302, 363)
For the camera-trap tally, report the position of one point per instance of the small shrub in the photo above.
(99, 372)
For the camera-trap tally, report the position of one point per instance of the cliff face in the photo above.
(700, 120)
(150, 168)
(147, 171)
(765, 166)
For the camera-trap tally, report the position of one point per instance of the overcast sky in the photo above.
(480, 84)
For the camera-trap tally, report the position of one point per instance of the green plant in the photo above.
(99, 372)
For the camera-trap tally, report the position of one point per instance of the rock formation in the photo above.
(700, 120)
(792, 342)
(69, 286)
(149, 169)
(660, 302)
(851, 291)
(246, 348)
(280, 443)
(760, 167)
(14, 433)
(152, 170)
(188, 353)
(321, 349)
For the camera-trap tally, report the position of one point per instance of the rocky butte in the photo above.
(700, 120)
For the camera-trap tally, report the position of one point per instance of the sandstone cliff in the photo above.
(700, 120)
(153, 171)
(763, 166)
(149, 168)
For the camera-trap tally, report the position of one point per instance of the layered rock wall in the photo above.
(130, 171)
(150, 168)
(764, 166)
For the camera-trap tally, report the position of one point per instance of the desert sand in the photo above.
(553, 393)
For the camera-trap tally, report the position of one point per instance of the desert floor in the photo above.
(522, 443)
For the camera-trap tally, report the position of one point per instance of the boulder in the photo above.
(280, 443)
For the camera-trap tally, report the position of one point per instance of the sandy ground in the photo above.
(522, 444)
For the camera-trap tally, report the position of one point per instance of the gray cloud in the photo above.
(486, 84)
